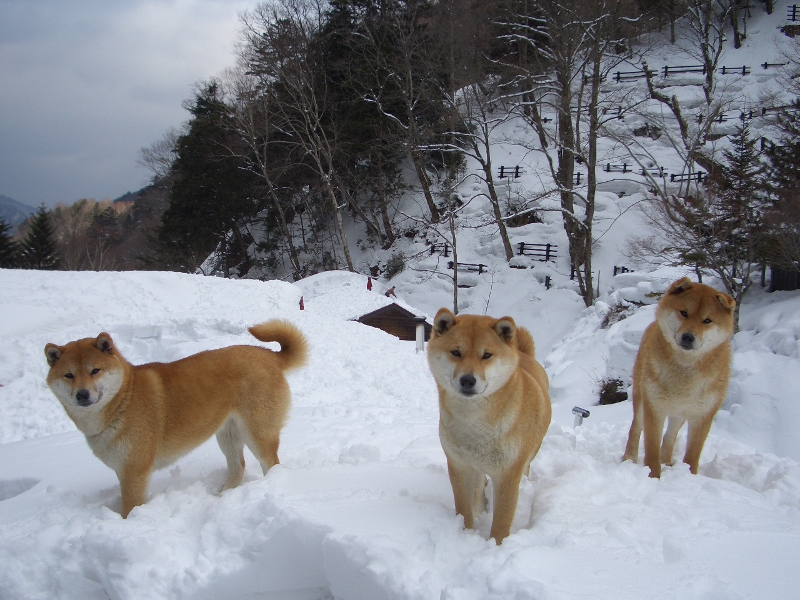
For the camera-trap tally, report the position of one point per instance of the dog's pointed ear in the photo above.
(443, 321)
(53, 353)
(726, 301)
(506, 328)
(680, 286)
(104, 343)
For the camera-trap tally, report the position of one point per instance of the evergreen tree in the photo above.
(8, 247)
(38, 250)
(722, 229)
(211, 193)
(784, 178)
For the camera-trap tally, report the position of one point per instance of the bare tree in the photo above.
(406, 79)
(251, 108)
(159, 156)
(280, 50)
(480, 114)
(571, 47)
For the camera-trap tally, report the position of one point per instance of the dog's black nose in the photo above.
(82, 397)
(467, 382)
(687, 341)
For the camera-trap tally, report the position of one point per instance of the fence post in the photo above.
(547, 253)
(501, 171)
(547, 282)
(516, 172)
(521, 249)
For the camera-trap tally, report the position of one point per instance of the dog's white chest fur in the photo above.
(677, 394)
(469, 438)
(108, 448)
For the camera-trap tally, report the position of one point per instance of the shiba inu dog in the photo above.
(140, 418)
(494, 409)
(681, 373)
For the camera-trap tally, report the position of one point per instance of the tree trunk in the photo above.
(498, 215)
(416, 158)
(455, 262)
(284, 226)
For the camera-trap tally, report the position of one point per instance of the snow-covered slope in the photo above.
(361, 506)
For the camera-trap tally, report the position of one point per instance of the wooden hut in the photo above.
(396, 320)
(784, 279)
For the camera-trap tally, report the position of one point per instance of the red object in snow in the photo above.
(302, 306)
(369, 284)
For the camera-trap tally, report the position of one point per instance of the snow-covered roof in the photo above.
(343, 295)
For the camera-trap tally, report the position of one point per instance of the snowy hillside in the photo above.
(361, 506)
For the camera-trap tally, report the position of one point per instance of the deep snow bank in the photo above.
(361, 505)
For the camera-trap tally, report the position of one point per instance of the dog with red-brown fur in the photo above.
(140, 418)
(681, 373)
(494, 410)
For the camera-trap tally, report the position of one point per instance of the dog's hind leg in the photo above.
(231, 439)
(668, 445)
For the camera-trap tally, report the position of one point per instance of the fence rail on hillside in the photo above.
(622, 168)
(654, 171)
(699, 176)
(620, 76)
(514, 172)
(442, 249)
(540, 252)
(684, 69)
(743, 70)
(472, 267)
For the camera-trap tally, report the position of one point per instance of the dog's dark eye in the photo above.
(706, 320)
(684, 314)
(455, 353)
(487, 355)
(95, 371)
(69, 376)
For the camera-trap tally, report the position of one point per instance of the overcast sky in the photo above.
(84, 84)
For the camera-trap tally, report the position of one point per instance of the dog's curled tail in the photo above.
(525, 342)
(294, 349)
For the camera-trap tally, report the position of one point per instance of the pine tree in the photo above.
(8, 247)
(784, 178)
(38, 250)
(722, 228)
(212, 194)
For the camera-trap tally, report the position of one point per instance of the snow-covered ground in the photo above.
(361, 507)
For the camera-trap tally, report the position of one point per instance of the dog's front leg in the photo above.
(653, 426)
(133, 483)
(465, 481)
(506, 494)
(635, 433)
(668, 445)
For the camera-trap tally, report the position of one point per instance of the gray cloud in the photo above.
(87, 83)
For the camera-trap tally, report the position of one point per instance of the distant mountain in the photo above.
(129, 196)
(13, 212)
